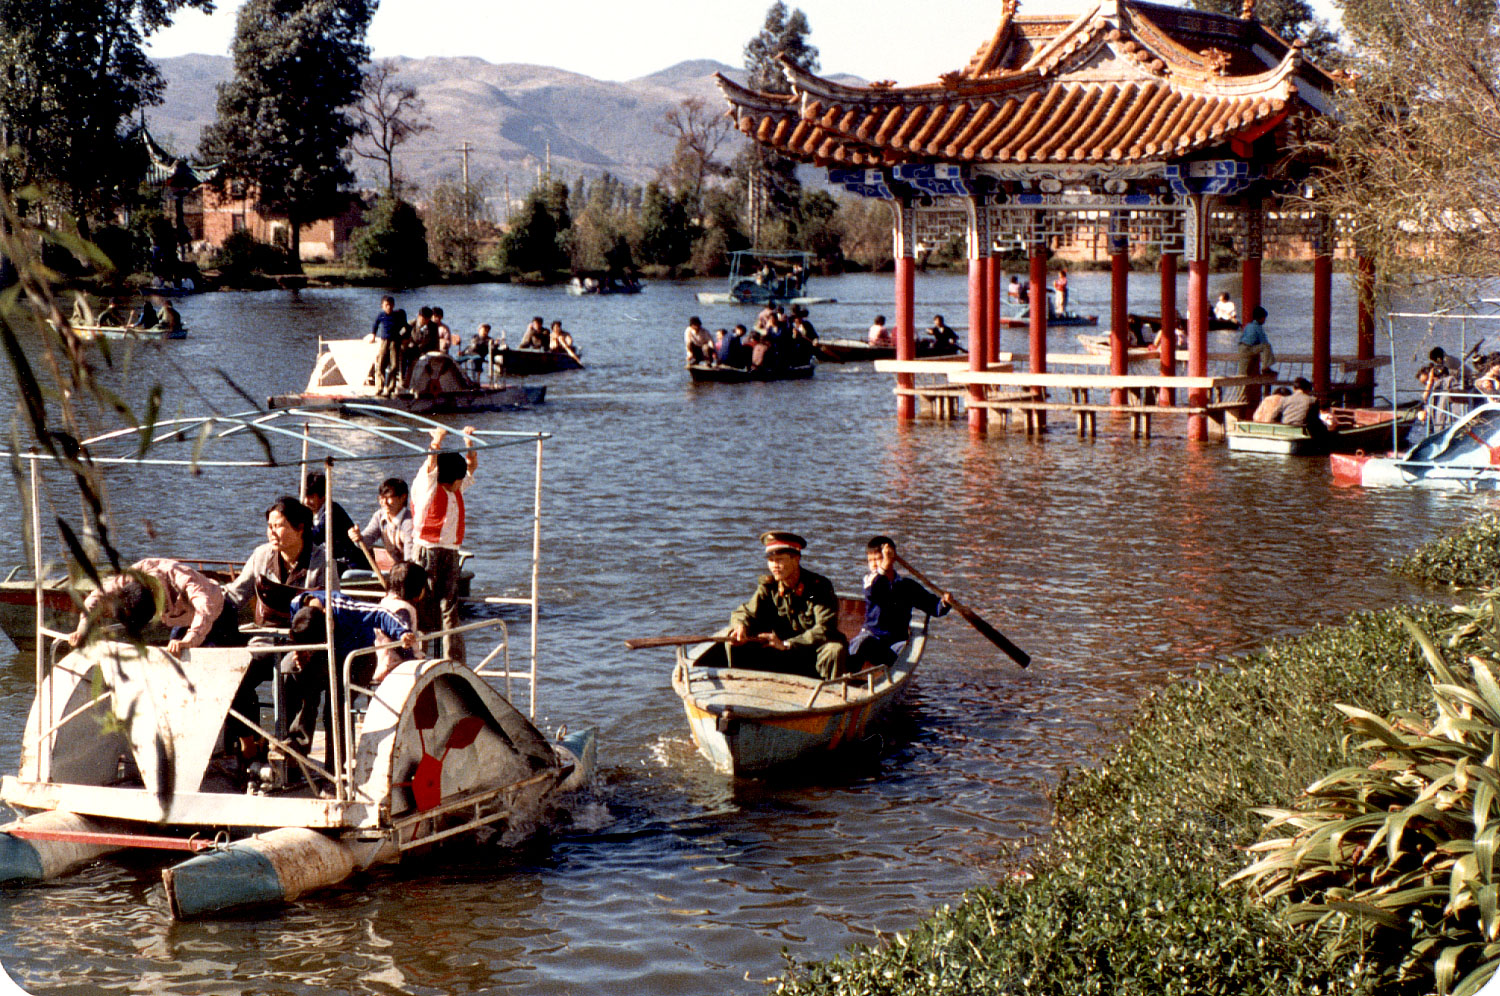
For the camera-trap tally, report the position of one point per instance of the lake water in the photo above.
(1117, 563)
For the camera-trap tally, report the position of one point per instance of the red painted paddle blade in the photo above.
(425, 712)
(427, 783)
(464, 732)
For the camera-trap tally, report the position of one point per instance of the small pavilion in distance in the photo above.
(1172, 124)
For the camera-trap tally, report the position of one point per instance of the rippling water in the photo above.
(1116, 563)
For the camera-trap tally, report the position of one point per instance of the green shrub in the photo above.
(1468, 558)
(241, 258)
(393, 241)
(1126, 896)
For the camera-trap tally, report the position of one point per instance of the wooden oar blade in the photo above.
(646, 642)
(992, 634)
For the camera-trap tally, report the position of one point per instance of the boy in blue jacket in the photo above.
(889, 602)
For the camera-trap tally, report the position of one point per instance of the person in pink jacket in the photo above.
(191, 605)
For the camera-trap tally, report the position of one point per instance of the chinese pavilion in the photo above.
(1163, 122)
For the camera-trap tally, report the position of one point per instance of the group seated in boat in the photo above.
(1297, 406)
(280, 595)
(790, 624)
(156, 314)
(779, 343)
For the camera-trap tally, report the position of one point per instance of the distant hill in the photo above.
(508, 113)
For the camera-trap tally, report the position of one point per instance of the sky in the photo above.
(607, 39)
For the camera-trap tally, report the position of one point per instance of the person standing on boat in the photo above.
(191, 605)
(1060, 288)
(391, 522)
(889, 602)
(477, 353)
(698, 343)
(791, 623)
(1253, 343)
(389, 327)
(437, 503)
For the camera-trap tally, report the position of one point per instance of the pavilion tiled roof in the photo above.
(1122, 82)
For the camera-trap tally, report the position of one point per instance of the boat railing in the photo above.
(1443, 408)
(344, 758)
(845, 680)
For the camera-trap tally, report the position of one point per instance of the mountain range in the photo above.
(511, 115)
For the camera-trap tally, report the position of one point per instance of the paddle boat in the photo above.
(702, 373)
(1099, 345)
(345, 374)
(123, 746)
(862, 351)
(1019, 317)
(1463, 455)
(590, 284)
(1350, 430)
(758, 723)
(753, 279)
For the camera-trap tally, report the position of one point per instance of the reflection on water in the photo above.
(1115, 563)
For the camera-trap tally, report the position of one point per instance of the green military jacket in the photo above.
(807, 618)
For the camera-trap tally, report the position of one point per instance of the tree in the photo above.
(71, 74)
(389, 113)
(393, 240)
(770, 180)
(666, 238)
(535, 242)
(1414, 159)
(283, 123)
(699, 133)
(1294, 20)
(457, 218)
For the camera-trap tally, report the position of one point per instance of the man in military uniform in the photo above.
(791, 623)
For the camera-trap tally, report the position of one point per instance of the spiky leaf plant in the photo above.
(1401, 851)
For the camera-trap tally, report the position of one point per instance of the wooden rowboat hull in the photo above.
(702, 374)
(858, 351)
(530, 362)
(753, 724)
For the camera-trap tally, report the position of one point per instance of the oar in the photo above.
(569, 350)
(644, 642)
(987, 631)
(370, 556)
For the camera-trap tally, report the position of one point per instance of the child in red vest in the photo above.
(437, 506)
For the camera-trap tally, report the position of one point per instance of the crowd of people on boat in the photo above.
(156, 314)
(282, 590)
(778, 340)
(408, 349)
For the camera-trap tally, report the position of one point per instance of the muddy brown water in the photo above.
(1118, 564)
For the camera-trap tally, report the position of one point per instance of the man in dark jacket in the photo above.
(791, 623)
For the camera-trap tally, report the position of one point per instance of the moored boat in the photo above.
(1352, 430)
(702, 373)
(759, 723)
(125, 745)
(862, 351)
(1464, 456)
(344, 375)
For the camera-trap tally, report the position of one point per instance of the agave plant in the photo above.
(1399, 855)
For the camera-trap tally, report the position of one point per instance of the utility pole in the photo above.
(507, 200)
(464, 147)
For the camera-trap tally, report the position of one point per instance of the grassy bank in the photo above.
(1467, 558)
(1125, 897)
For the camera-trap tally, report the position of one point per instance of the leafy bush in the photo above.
(393, 241)
(1400, 851)
(1126, 896)
(241, 258)
(1468, 558)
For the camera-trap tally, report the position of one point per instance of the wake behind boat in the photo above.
(756, 723)
(344, 374)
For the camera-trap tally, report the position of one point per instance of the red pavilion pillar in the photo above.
(1119, 307)
(1322, 331)
(1250, 265)
(906, 342)
(1198, 218)
(979, 284)
(1168, 359)
(992, 306)
(1364, 348)
(1037, 345)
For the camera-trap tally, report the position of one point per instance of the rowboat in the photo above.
(1352, 430)
(89, 333)
(1465, 456)
(1018, 318)
(582, 286)
(125, 745)
(759, 723)
(702, 373)
(344, 375)
(861, 351)
(529, 362)
(1099, 345)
